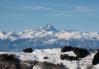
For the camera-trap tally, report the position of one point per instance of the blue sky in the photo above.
(81, 15)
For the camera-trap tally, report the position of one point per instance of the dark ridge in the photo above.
(27, 64)
(47, 65)
(28, 50)
(9, 57)
(96, 59)
(80, 52)
(67, 57)
(9, 61)
(66, 48)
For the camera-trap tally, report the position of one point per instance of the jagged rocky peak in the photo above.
(11, 33)
(2, 34)
(47, 36)
(48, 27)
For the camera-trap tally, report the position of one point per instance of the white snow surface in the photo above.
(54, 57)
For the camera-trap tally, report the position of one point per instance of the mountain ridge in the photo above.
(47, 37)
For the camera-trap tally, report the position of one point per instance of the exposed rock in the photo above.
(27, 64)
(80, 52)
(9, 61)
(66, 48)
(96, 59)
(47, 65)
(45, 57)
(28, 50)
(67, 57)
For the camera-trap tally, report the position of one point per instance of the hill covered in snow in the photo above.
(47, 37)
(56, 58)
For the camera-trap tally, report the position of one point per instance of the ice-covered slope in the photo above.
(47, 37)
(53, 56)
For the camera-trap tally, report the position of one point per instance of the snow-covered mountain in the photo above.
(47, 37)
(50, 59)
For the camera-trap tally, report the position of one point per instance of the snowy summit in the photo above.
(47, 37)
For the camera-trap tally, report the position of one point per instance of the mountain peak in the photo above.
(2, 35)
(49, 27)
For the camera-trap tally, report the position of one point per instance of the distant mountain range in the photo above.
(47, 37)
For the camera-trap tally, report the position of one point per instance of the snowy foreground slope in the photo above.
(47, 37)
(50, 59)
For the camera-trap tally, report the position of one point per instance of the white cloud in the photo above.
(91, 14)
(64, 10)
(85, 10)
(58, 14)
(81, 8)
(33, 8)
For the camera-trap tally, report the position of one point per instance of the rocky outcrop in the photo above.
(67, 57)
(9, 61)
(28, 50)
(96, 59)
(66, 48)
(47, 65)
(80, 52)
(27, 64)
